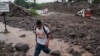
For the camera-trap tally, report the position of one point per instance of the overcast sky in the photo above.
(38, 1)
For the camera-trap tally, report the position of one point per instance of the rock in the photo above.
(82, 52)
(88, 47)
(89, 37)
(70, 50)
(65, 41)
(23, 35)
(22, 47)
(98, 48)
(97, 53)
(55, 53)
(76, 53)
(6, 49)
(72, 35)
(10, 48)
(81, 35)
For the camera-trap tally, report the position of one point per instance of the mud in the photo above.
(72, 29)
(68, 6)
(55, 44)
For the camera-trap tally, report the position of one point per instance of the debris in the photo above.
(68, 7)
(18, 11)
(67, 28)
(6, 49)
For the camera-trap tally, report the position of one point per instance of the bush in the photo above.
(96, 1)
(34, 12)
(37, 6)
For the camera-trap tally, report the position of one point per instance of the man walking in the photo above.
(42, 38)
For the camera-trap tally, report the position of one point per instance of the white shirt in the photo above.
(41, 36)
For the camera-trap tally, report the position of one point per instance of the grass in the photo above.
(34, 12)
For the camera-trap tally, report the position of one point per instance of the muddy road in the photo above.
(71, 29)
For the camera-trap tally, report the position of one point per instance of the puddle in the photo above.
(14, 37)
(43, 14)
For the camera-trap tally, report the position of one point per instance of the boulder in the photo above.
(76, 53)
(72, 35)
(70, 50)
(22, 47)
(55, 53)
(22, 35)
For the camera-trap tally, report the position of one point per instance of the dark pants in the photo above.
(40, 47)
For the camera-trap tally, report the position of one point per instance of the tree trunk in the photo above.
(34, 1)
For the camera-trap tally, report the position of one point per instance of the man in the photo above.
(42, 38)
(46, 11)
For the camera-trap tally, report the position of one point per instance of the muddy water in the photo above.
(50, 13)
(41, 12)
(14, 37)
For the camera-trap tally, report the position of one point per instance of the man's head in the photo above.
(39, 24)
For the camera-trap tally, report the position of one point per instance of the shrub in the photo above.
(34, 12)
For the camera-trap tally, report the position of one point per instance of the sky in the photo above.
(38, 1)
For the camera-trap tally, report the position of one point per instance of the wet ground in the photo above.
(56, 44)
(61, 25)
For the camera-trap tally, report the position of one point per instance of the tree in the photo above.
(77, 0)
(34, 1)
(63, 1)
(96, 1)
(22, 3)
(69, 0)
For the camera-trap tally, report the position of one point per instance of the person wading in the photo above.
(43, 37)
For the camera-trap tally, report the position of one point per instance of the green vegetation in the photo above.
(29, 5)
(38, 6)
(77, 0)
(34, 12)
(21, 3)
(25, 4)
(96, 1)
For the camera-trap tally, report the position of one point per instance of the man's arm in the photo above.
(49, 38)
